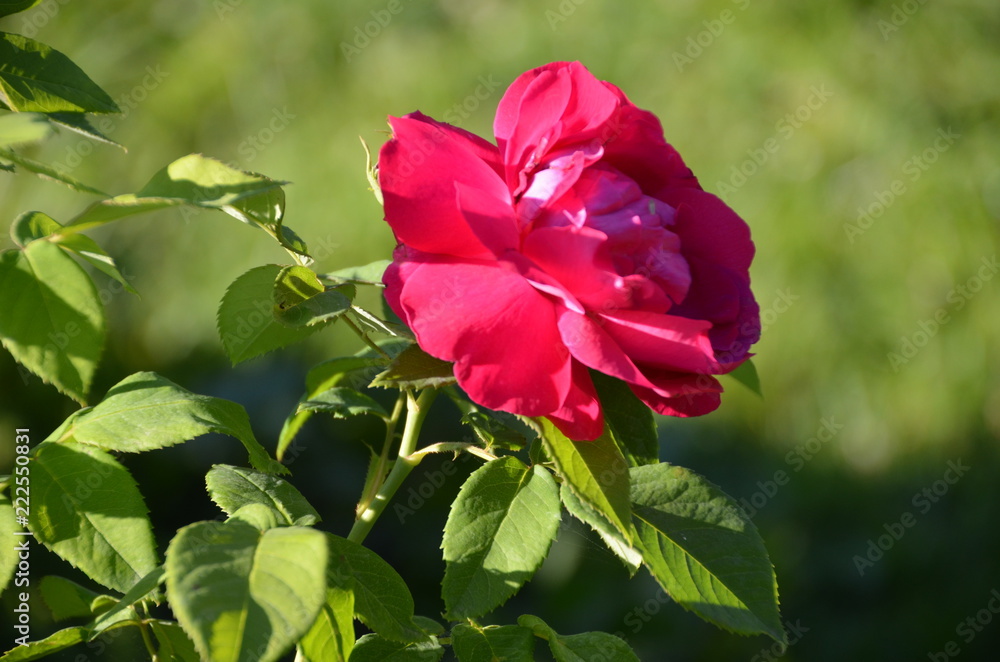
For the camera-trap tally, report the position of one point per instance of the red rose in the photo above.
(580, 240)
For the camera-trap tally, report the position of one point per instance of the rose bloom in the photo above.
(579, 241)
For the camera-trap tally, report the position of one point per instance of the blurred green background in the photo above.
(859, 139)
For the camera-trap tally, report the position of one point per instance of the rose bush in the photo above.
(579, 241)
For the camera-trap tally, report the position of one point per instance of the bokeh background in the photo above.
(859, 139)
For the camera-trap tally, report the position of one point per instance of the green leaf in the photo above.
(747, 375)
(301, 300)
(21, 128)
(67, 599)
(79, 123)
(243, 595)
(33, 225)
(143, 588)
(615, 541)
(414, 368)
(369, 274)
(585, 647)
(596, 472)
(267, 210)
(35, 77)
(498, 533)
(429, 625)
(510, 643)
(192, 180)
(53, 321)
(47, 172)
(373, 648)
(343, 402)
(36, 650)
(323, 377)
(175, 645)
(704, 551)
(631, 421)
(381, 598)
(246, 323)
(8, 7)
(8, 541)
(146, 411)
(88, 510)
(331, 637)
(232, 488)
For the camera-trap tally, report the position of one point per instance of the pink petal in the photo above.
(581, 417)
(710, 230)
(662, 341)
(498, 329)
(418, 170)
(681, 395)
(592, 346)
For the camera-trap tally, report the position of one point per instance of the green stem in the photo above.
(146, 639)
(364, 336)
(416, 413)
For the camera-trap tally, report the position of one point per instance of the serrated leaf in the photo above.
(174, 644)
(190, 180)
(53, 321)
(369, 274)
(747, 375)
(67, 599)
(8, 7)
(243, 595)
(301, 300)
(596, 471)
(585, 647)
(267, 210)
(143, 588)
(48, 172)
(704, 551)
(323, 377)
(232, 488)
(146, 411)
(22, 128)
(87, 509)
(33, 225)
(246, 324)
(331, 637)
(53, 643)
(615, 541)
(498, 532)
(382, 600)
(510, 643)
(37, 78)
(414, 368)
(429, 625)
(373, 648)
(8, 541)
(80, 123)
(631, 421)
(498, 428)
(343, 402)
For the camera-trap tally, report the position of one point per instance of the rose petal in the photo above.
(581, 417)
(498, 329)
(710, 230)
(418, 170)
(681, 395)
(662, 341)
